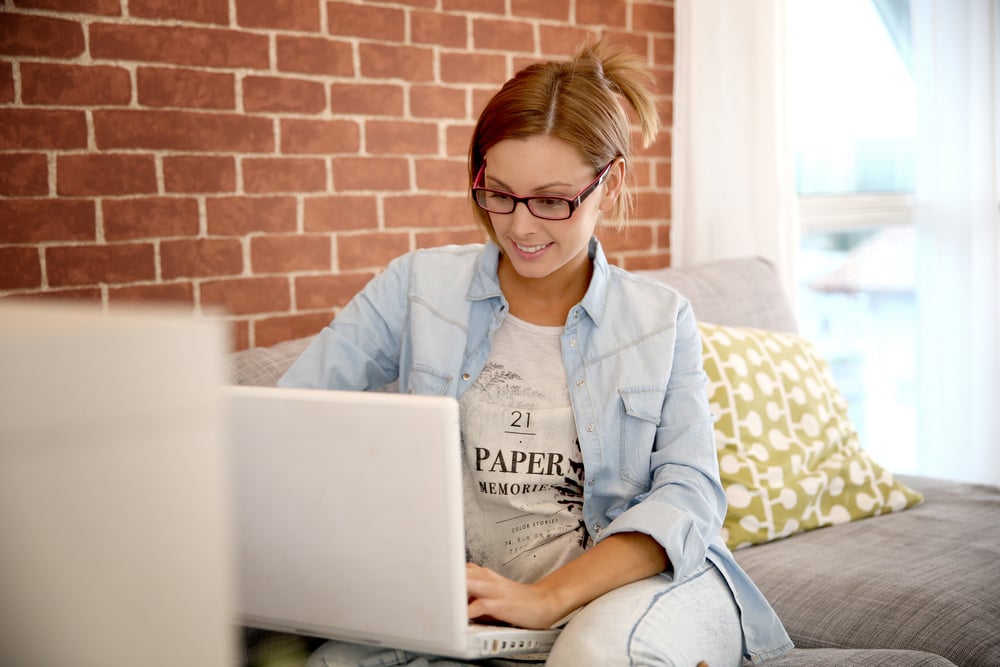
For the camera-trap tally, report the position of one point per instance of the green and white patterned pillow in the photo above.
(789, 458)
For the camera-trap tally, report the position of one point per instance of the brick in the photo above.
(239, 334)
(427, 211)
(478, 6)
(441, 29)
(356, 252)
(198, 11)
(336, 213)
(425, 4)
(664, 51)
(553, 10)
(47, 220)
(237, 216)
(272, 330)
(105, 174)
(652, 206)
(200, 258)
(482, 96)
(199, 173)
(98, 7)
(652, 17)
(29, 35)
(320, 136)
(20, 268)
(367, 99)
(267, 93)
(498, 35)
(191, 89)
(97, 264)
(459, 236)
(315, 55)
(183, 131)
(367, 22)
(364, 173)
(269, 175)
(664, 86)
(23, 174)
(240, 296)
(448, 237)
(437, 102)
(90, 295)
(386, 61)
(401, 137)
(177, 293)
(457, 140)
(439, 175)
(44, 129)
(279, 14)
(178, 45)
(638, 42)
(633, 237)
(74, 85)
(152, 217)
(661, 260)
(286, 254)
(6, 82)
(562, 40)
(472, 68)
(612, 13)
(331, 291)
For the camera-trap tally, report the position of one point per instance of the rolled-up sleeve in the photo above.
(360, 349)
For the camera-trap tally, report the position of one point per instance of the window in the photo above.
(853, 109)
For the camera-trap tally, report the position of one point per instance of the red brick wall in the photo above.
(262, 159)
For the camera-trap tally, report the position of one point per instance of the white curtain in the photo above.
(958, 230)
(733, 184)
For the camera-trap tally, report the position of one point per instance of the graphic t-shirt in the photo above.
(523, 467)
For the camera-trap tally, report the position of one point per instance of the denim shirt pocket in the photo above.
(642, 408)
(427, 381)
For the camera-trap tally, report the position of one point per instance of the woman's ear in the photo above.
(613, 185)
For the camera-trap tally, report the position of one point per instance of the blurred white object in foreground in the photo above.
(114, 521)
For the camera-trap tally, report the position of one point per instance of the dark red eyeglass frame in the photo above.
(573, 202)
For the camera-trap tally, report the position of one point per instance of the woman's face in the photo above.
(535, 247)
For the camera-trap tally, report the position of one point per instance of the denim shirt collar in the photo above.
(486, 285)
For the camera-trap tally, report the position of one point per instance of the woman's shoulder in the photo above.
(626, 284)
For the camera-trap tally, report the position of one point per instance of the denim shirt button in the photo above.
(466, 376)
(572, 343)
(580, 383)
(590, 428)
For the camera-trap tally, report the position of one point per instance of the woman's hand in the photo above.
(614, 561)
(493, 597)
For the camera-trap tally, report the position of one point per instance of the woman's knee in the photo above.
(655, 622)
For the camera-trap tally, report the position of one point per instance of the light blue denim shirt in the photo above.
(632, 355)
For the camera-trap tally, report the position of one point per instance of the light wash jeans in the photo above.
(650, 622)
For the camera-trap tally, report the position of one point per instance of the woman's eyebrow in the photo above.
(503, 186)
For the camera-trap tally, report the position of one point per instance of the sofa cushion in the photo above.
(841, 657)
(742, 291)
(263, 366)
(926, 579)
(789, 457)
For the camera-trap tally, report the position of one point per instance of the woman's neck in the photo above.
(545, 301)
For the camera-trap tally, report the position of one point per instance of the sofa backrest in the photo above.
(734, 292)
(741, 292)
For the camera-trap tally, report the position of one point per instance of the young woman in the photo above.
(592, 487)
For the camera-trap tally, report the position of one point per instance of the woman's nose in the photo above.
(522, 218)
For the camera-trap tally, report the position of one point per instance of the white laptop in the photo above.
(349, 521)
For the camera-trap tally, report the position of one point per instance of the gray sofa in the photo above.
(918, 587)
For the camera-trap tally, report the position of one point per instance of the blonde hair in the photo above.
(580, 101)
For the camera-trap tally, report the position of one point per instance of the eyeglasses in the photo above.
(546, 207)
